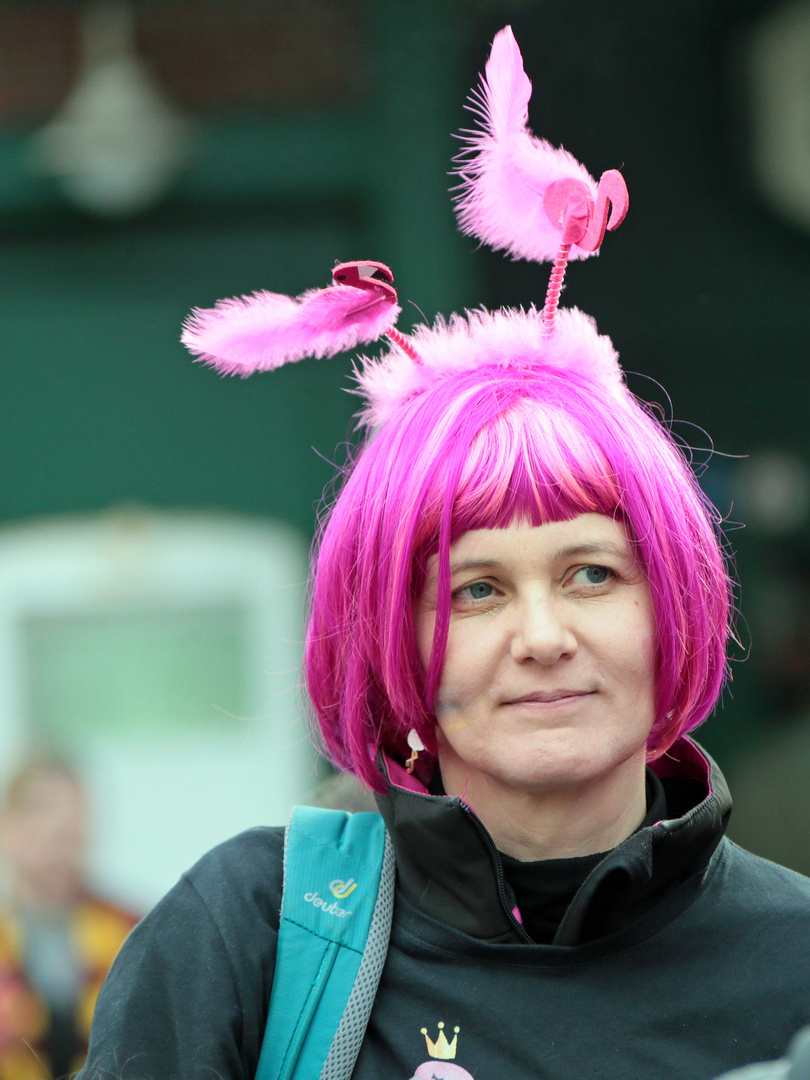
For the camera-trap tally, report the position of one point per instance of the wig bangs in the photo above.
(533, 464)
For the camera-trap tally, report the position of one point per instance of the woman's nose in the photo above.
(542, 633)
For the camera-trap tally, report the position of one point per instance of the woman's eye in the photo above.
(478, 590)
(592, 575)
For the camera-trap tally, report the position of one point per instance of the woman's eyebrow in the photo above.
(604, 547)
(601, 547)
(473, 564)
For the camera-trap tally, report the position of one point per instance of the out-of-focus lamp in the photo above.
(116, 142)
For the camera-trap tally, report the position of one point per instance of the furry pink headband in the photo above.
(517, 193)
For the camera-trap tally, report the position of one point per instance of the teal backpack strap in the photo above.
(332, 943)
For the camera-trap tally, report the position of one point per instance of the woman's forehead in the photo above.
(586, 535)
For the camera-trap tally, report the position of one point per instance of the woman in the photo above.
(519, 609)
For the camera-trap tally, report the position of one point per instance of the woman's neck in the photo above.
(564, 822)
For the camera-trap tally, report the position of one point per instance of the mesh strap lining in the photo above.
(349, 1035)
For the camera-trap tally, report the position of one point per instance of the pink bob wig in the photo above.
(480, 447)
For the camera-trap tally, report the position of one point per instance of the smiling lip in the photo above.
(548, 697)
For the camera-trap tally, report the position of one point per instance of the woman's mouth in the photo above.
(548, 697)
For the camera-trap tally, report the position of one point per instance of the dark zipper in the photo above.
(501, 876)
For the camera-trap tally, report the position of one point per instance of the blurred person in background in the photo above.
(57, 940)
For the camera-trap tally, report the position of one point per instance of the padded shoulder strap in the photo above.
(333, 938)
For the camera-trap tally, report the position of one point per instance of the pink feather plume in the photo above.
(506, 171)
(265, 330)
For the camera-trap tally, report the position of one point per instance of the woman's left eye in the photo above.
(477, 590)
(592, 575)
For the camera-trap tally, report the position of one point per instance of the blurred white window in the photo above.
(160, 652)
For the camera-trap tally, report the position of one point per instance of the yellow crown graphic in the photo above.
(441, 1049)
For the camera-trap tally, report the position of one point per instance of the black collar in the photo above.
(449, 868)
(545, 889)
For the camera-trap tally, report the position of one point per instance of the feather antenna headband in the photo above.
(520, 194)
(517, 193)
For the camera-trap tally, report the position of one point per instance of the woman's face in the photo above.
(549, 675)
